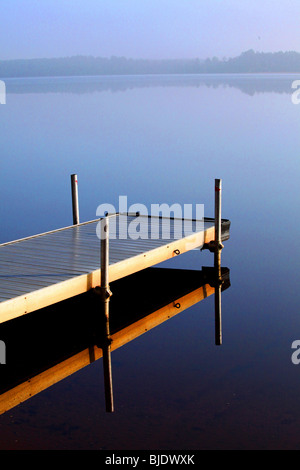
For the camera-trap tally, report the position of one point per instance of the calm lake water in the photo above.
(164, 140)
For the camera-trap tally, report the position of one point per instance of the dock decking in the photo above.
(47, 268)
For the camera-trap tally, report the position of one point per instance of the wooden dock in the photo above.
(50, 267)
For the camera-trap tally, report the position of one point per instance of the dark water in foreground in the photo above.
(165, 140)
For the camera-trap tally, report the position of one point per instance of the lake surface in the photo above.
(164, 139)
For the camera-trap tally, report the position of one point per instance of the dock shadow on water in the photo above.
(48, 345)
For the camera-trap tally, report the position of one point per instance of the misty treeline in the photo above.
(248, 62)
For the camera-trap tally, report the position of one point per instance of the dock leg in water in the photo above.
(217, 262)
(105, 297)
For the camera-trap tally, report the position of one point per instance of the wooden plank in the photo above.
(49, 295)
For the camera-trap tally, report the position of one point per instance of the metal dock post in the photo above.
(217, 262)
(75, 205)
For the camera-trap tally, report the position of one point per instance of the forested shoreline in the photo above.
(247, 62)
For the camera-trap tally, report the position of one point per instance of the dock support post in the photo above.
(105, 295)
(218, 233)
(217, 262)
(75, 206)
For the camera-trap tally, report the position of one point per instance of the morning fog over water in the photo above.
(155, 140)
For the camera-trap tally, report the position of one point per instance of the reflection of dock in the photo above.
(60, 340)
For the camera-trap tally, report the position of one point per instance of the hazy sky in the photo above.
(147, 28)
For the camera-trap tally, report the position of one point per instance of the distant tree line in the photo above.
(255, 62)
(87, 65)
(248, 62)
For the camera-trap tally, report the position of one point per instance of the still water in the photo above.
(164, 140)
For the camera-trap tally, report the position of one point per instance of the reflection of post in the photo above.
(218, 315)
(217, 262)
(106, 294)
